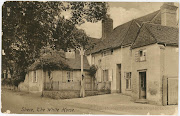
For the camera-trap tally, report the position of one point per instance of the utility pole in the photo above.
(82, 91)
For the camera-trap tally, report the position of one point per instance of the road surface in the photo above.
(28, 103)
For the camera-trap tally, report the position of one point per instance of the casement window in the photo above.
(69, 76)
(140, 55)
(127, 76)
(34, 76)
(105, 75)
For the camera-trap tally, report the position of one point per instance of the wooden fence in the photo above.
(170, 90)
(57, 85)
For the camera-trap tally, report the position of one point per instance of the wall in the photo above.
(171, 61)
(36, 86)
(24, 86)
(68, 94)
(108, 62)
(152, 65)
(126, 67)
(57, 75)
(29, 86)
(60, 80)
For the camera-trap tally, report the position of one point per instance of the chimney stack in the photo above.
(107, 27)
(168, 14)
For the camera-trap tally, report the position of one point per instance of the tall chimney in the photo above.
(168, 14)
(107, 27)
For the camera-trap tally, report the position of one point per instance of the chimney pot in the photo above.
(168, 14)
(107, 27)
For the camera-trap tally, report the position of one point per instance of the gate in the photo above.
(170, 90)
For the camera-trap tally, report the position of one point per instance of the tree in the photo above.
(30, 25)
(92, 73)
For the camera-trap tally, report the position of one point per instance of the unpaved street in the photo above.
(26, 103)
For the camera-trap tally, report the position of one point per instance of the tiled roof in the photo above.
(60, 62)
(155, 33)
(126, 33)
(115, 40)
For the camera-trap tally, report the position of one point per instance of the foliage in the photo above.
(92, 71)
(29, 25)
(7, 82)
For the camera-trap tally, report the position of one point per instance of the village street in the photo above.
(25, 103)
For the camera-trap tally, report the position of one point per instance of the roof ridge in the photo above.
(150, 33)
(148, 14)
(160, 25)
(127, 32)
(155, 16)
(137, 34)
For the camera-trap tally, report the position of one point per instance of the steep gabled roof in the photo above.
(126, 33)
(155, 33)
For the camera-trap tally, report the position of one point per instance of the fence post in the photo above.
(58, 85)
(164, 96)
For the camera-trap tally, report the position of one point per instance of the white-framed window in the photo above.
(105, 75)
(127, 76)
(69, 76)
(34, 76)
(140, 55)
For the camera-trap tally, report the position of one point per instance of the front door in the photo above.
(142, 93)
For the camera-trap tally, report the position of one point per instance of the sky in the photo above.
(121, 12)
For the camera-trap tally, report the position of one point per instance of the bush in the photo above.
(16, 82)
(7, 82)
(92, 71)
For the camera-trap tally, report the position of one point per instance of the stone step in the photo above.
(143, 101)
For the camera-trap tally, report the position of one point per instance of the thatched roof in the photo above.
(56, 61)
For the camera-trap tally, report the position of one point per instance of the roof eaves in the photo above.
(142, 45)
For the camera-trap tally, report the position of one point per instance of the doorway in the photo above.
(142, 85)
(119, 78)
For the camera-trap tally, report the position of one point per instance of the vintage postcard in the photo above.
(108, 58)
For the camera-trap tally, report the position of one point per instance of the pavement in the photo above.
(28, 103)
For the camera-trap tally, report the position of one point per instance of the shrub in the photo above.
(7, 82)
(92, 71)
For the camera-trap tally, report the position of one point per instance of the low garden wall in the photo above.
(67, 94)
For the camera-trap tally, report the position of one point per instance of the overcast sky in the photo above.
(121, 12)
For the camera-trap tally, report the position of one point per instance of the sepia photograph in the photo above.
(87, 57)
